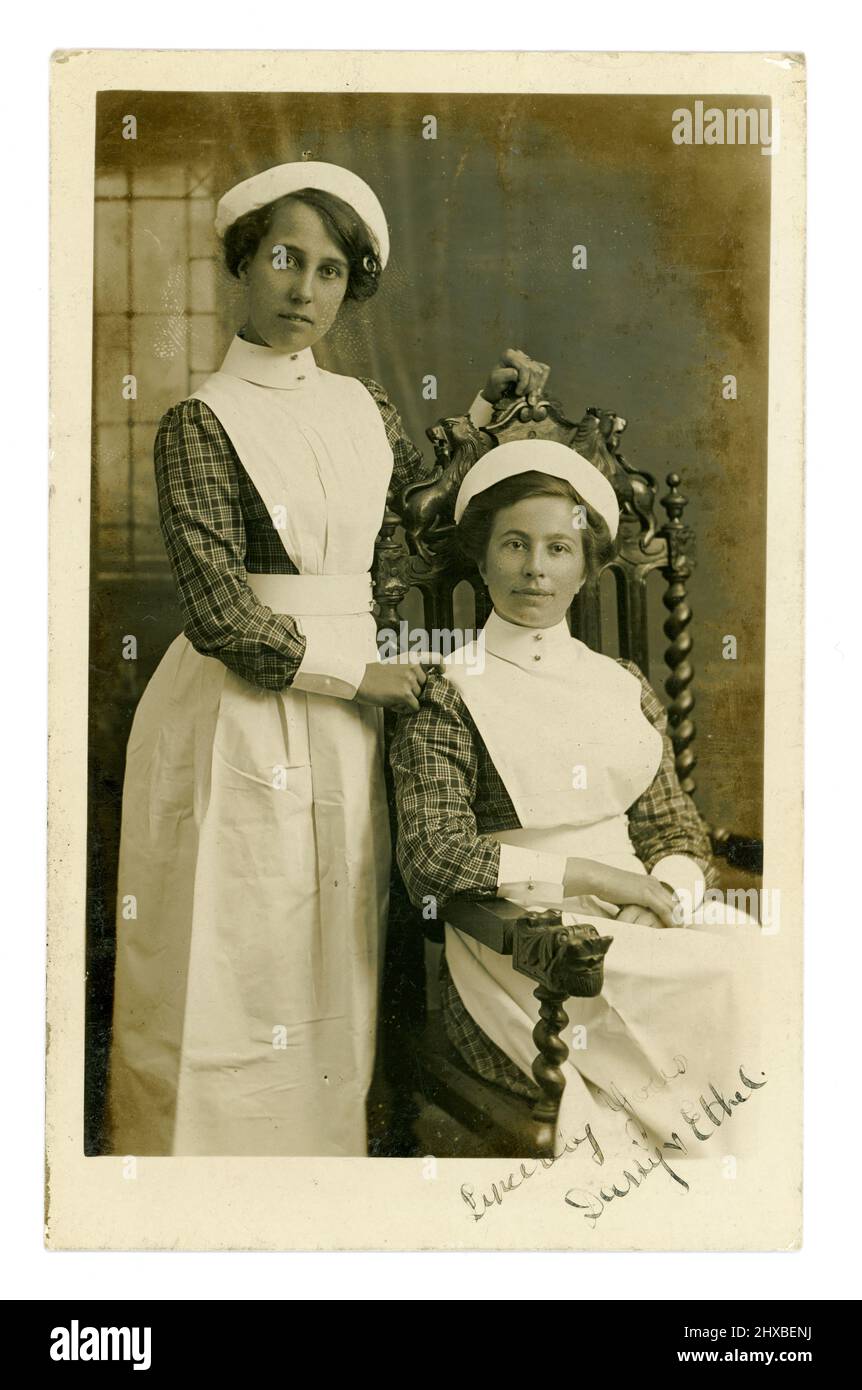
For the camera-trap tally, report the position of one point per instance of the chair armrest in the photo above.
(489, 920)
(567, 960)
(741, 851)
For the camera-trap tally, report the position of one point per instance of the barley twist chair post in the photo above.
(677, 572)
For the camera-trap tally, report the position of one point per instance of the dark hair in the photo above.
(346, 227)
(474, 529)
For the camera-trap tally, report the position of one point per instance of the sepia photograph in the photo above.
(433, 631)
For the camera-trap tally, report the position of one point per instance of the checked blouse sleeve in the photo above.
(435, 766)
(204, 532)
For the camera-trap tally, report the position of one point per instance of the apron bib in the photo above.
(591, 751)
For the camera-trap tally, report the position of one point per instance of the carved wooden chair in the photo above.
(452, 1110)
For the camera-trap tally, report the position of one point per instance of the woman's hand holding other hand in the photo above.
(515, 367)
(641, 917)
(643, 899)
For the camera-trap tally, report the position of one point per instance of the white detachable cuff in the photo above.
(684, 876)
(539, 874)
(323, 672)
(481, 412)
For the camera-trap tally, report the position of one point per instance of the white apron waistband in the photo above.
(313, 595)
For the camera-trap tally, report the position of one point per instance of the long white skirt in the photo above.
(252, 895)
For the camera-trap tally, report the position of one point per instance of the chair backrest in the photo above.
(414, 550)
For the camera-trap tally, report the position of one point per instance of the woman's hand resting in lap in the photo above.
(641, 917)
(395, 684)
(643, 899)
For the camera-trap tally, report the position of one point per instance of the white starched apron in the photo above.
(678, 1004)
(255, 832)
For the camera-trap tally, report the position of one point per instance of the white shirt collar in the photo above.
(285, 371)
(535, 649)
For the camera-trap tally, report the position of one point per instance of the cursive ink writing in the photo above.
(717, 1110)
(594, 1206)
(484, 1202)
(662, 1080)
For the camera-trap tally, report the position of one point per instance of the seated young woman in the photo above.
(538, 770)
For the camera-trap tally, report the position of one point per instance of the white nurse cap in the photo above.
(541, 456)
(282, 179)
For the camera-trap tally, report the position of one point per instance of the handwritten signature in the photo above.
(613, 1099)
(717, 1110)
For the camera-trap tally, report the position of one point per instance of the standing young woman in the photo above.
(254, 860)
